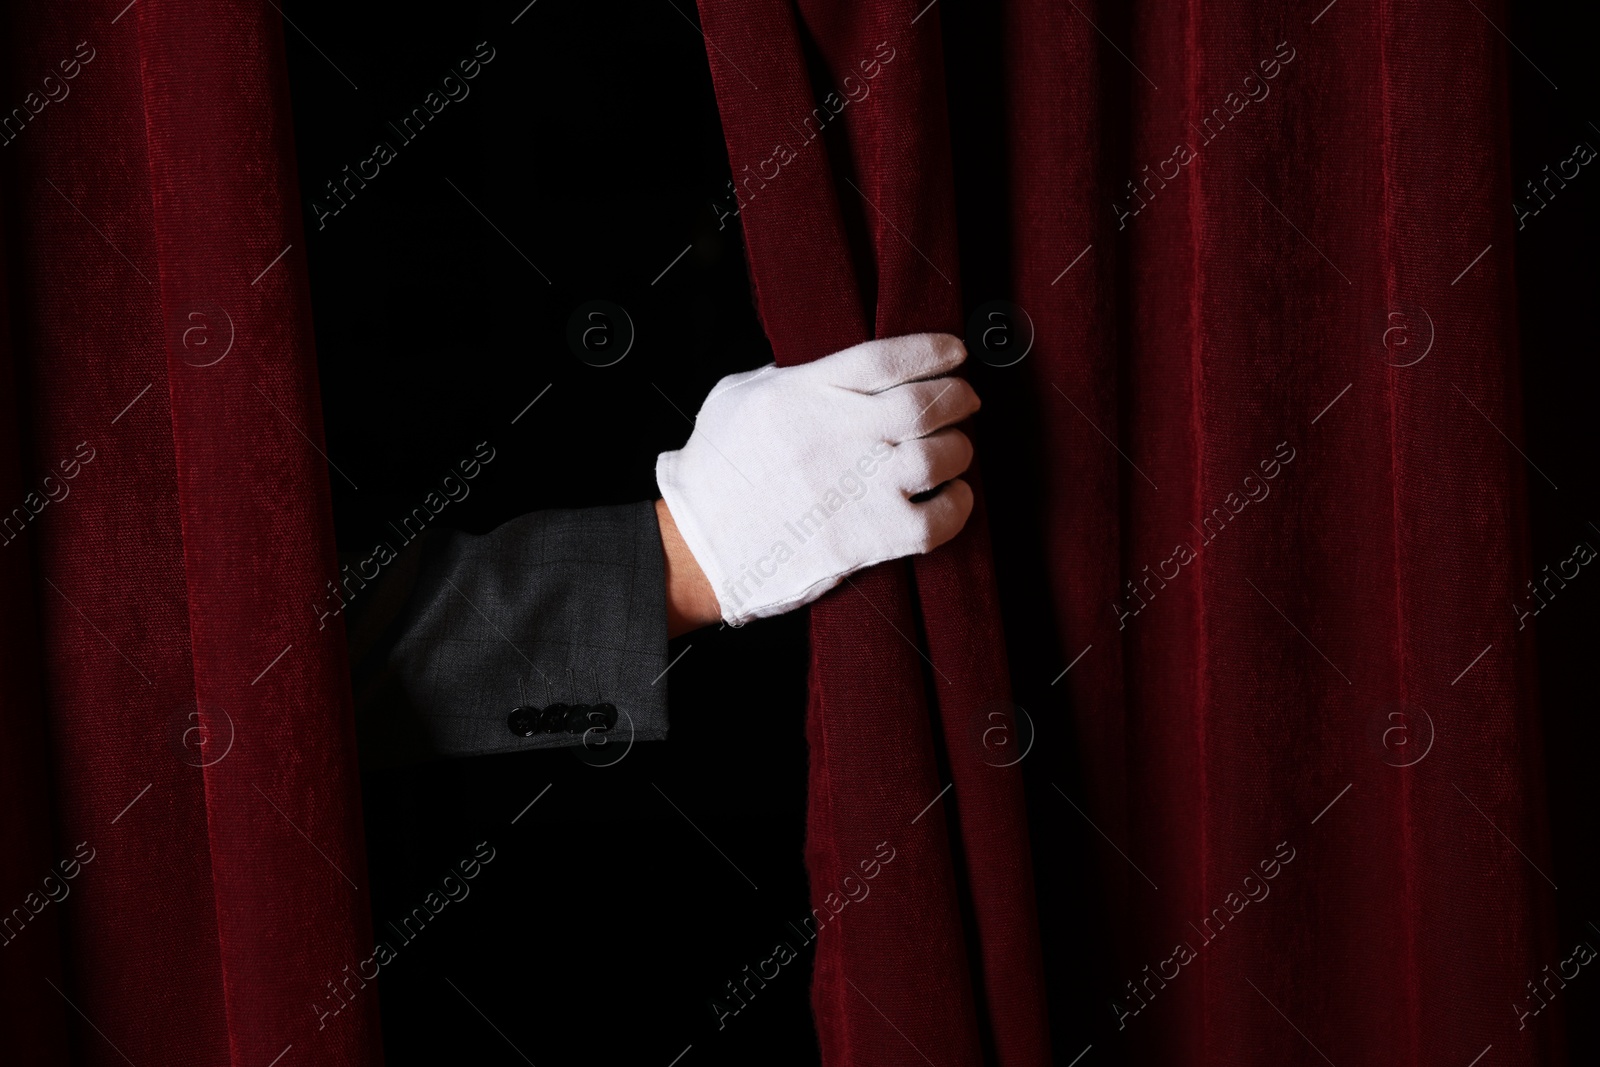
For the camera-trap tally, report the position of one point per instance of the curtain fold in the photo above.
(840, 154)
(200, 746)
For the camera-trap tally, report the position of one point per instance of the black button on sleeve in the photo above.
(555, 717)
(524, 721)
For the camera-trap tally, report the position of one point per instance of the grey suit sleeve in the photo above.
(562, 606)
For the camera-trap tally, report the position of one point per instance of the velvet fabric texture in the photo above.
(891, 697)
(179, 752)
(1274, 532)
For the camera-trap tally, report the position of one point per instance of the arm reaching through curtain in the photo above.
(556, 623)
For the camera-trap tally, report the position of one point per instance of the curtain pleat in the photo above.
(848, 214)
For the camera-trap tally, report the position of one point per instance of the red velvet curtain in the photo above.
(904, 640)
(1272, 524)
(184, 873)
(1276, 531)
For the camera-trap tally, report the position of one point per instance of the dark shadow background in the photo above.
(1557, 288)
(591, 148)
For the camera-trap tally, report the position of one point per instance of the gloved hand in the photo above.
(797, 476)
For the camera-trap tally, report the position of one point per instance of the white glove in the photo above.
(797, 476)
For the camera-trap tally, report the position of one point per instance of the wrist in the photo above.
(691, 602)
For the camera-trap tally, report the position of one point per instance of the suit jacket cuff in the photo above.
(553, 607)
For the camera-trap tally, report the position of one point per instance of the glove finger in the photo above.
(874, 366)
(917, 409)
(943, 515)
(921, 464)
